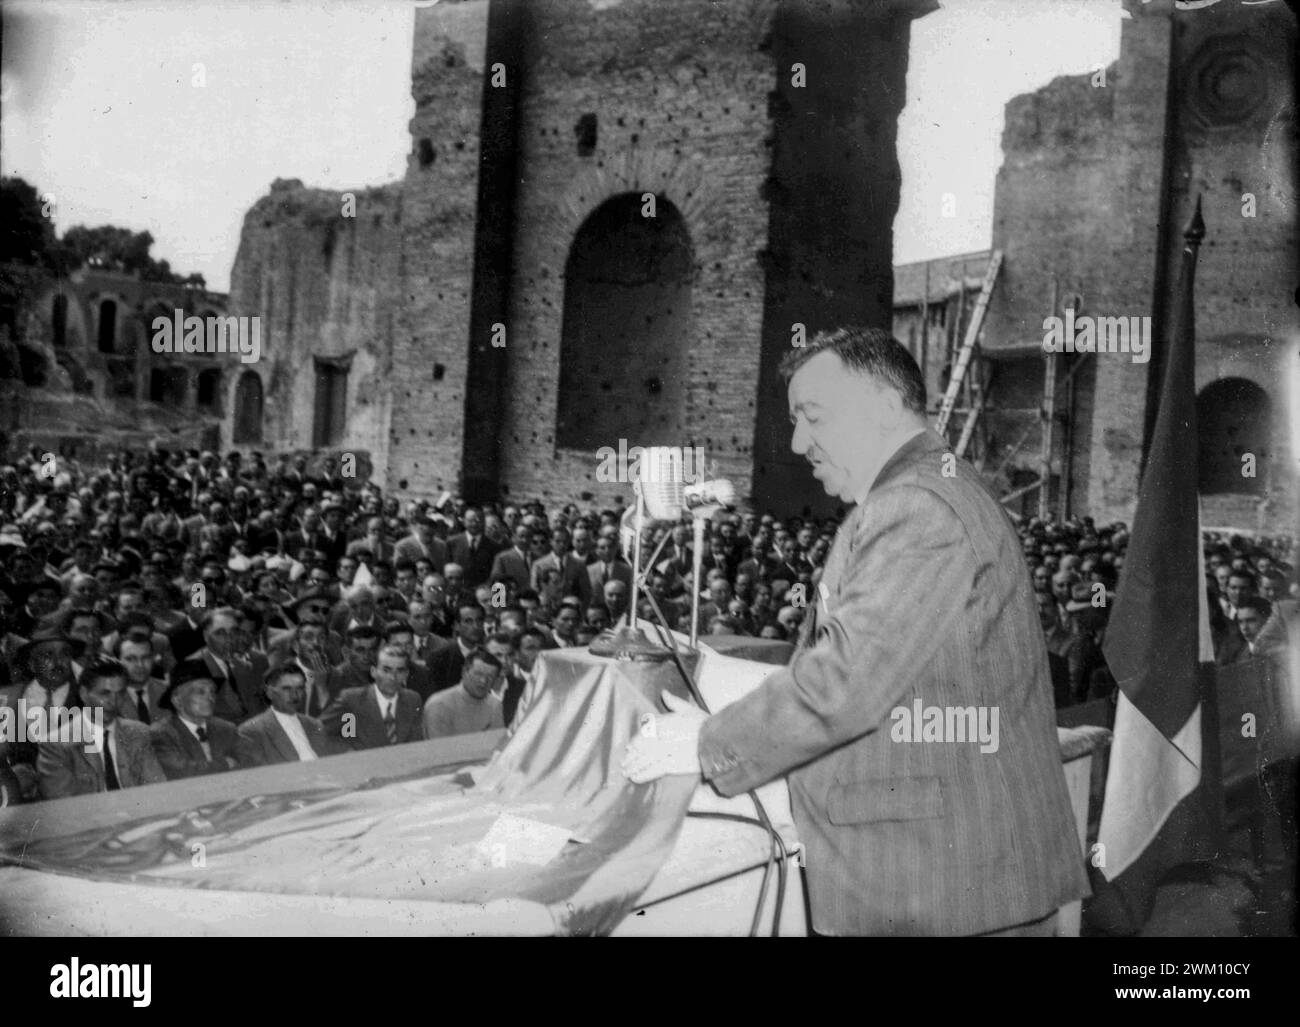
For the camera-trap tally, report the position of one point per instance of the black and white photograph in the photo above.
(650, 469)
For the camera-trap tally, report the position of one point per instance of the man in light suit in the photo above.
(514, 563)
(574, 579)
(421, 544)
(608, 566)
(384, 713)
(121, 756)
(925, 603)
(283, 734)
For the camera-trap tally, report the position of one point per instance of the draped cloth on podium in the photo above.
(427, 838)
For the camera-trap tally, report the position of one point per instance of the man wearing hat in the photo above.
(194, 741)
(35, 600)
(44, 666)
(314, 606)
(238, 682)
(333, 539)
(283, 734)
(113, 754)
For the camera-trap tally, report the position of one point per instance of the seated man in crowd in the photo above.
(472, 705)
(283, 734)
(112, 752)
(143, 690)
(194, 741)
(384, 713)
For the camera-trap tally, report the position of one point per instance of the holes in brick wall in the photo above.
(424, 153)
(438, 372)
(585, 132)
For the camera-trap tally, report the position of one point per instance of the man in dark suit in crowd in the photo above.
(472, 550)
(118, 756)
(384, 713)
(446, 664)
(924, 602)
(194, 742)
(238, 680)
(143, 690)
(283, 734)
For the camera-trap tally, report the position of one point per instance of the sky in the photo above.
(176, 115)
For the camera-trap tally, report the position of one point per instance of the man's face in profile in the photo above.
(836, 413)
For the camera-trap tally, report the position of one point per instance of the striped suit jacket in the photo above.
(925, 601)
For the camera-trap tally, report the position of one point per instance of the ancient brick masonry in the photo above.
(537, 127)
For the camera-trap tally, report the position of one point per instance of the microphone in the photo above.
(707, 496)
(661, 480)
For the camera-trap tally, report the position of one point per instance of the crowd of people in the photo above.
(210, 613)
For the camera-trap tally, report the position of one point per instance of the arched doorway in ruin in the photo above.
(627, 327)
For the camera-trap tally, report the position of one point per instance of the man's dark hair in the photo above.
(1244, 575)
(397, 626)
(871, 351)
(1261, 606)
(501, 638)
(364, 633)
(100, 667)
(481, 655)
(272, 677)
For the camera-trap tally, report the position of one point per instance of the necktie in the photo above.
(202, 734)
(110, 771)
(390, 725)
(142, 707)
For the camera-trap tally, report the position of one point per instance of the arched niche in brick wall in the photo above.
(627, 327)
(1233, 419)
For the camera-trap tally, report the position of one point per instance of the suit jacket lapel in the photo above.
(95, 766)
(281, 740)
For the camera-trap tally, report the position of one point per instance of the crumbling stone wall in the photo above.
(323, 273)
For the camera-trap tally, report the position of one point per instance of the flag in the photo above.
(1154, 816)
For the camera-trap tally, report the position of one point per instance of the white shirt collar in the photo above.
(385, 703)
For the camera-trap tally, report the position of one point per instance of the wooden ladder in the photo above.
(966, 353)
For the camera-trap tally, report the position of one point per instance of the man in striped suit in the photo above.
(925, 604)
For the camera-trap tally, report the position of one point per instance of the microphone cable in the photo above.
(777, 851)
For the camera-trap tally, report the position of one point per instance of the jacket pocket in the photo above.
(865, 802)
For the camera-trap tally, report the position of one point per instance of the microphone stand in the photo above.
(630, 642)
(697, 565)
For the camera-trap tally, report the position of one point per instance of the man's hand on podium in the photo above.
(667, 744)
